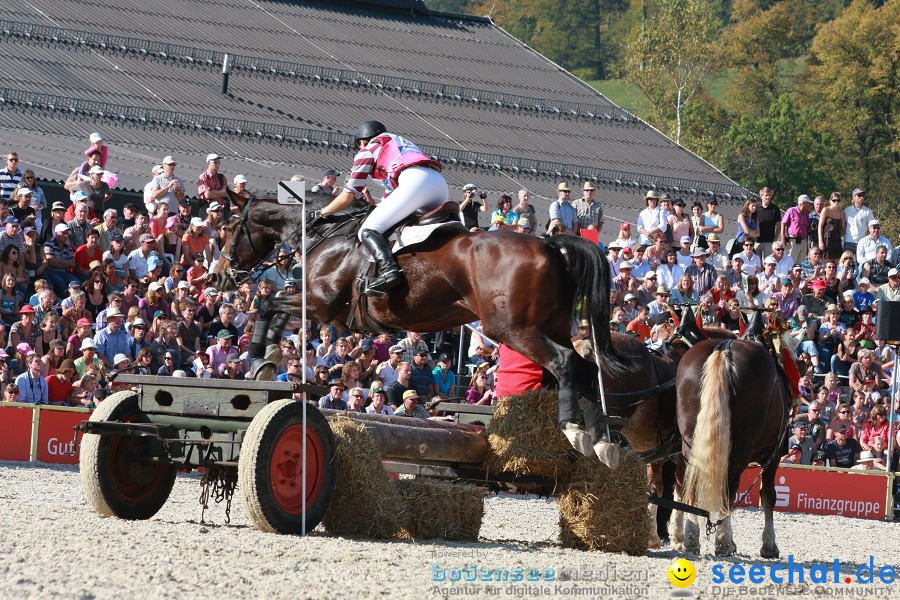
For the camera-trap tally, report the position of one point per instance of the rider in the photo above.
(412, 181)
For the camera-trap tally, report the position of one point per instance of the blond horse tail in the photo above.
(706, 476)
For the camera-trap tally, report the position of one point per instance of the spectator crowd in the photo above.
(89, 291)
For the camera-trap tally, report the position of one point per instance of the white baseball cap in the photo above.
(87, 344)
(95, 169)
(96, 137)
(212, 156)
(240, 179)
(168, 160)
(60, 228)
(197, 222)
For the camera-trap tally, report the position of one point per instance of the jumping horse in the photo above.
(734, 399)
(525, 291)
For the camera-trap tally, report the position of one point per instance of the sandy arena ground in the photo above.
(54, 545)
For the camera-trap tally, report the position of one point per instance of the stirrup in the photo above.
(378, 287)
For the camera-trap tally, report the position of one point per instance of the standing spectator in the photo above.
(832, 225)
(563, 217)
(748, 224)
(680, 225)
(23, 210)
(589, 211)
(10, 177)
(648, 222)
(167, 187)
(769, 222)
(526, 210)
(867, 246)
(470, 207)
(751, 263)
(33, 388)
(857, 217)
(712, 221)
(149, 190)
(795, 229)
(326, 186)
(212, 185)
(95, 189)
(97, 145)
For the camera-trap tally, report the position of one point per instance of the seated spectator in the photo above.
(169, 363)
(706, 312)
(336, 359)
(793, 457)
(234, 368)
(112, 339)
(221, 350)
(355, 400)
(144, 362)
(876, 426)
(11, 393)
(842, 451)
(849, 315)
(801, 439)
(32, 387)
(479, 392)
(378, 405)
(165, 345)
(639, 325)
(396, 389)
(847, 355)
(83, 392)
(53, 359)
(862, 296)
(879, 454)
(421, 378)
(334, 399)
(814, 423)
(864, 330)
(88, 357)
(866, 368)
(843, 420)
(412, 407)
(444, 379)
(60, 261)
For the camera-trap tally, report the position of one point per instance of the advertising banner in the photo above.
(55, 435)
(15, 443)
(821, 492)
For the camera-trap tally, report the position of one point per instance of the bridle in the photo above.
(239, 276)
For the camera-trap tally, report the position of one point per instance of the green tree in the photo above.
(852, 77)
(780, 150)
(670, 55)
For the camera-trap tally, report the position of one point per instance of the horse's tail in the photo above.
(706, 476)
(589, 275)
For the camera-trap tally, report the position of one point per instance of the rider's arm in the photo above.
(340, 202)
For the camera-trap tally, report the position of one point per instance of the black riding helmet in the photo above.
(369, 129)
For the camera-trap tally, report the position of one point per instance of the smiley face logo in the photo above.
(682, 573)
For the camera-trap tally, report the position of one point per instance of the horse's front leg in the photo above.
(725, 538)
(654, 477)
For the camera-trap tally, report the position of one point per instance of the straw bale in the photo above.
(364, 503)
(525, 439)
(605, 509)
(440, 509)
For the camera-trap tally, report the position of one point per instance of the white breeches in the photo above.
(417, 188)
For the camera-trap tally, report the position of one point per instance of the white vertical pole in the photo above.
(303, 375)
(895, 379)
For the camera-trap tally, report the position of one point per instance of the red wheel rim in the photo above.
(133, 479)
(285, 471)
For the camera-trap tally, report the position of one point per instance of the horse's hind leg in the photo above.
(676, 525)
(767, 495)
(654, 476)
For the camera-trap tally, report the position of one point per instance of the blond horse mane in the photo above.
(706, 476)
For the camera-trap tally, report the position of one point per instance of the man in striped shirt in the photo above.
(412, 181)
(10, 176)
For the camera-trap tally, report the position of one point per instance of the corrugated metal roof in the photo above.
(433, 50)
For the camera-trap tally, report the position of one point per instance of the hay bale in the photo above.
(440, 509)
(605, 509)
(525, 439)
(365, 503)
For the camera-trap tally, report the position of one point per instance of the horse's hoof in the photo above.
(607, 453)
(261, 370)
(727, 550)
(273, 354)
(578, 437)
(769, 552)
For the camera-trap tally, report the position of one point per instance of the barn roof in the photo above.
(149, 77)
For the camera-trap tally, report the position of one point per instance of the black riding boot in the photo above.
(388, 271)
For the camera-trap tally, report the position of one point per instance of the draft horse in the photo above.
(732, 409)
(523, 289)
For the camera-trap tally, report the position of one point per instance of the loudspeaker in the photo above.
(888, 326)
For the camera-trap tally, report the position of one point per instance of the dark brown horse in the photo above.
(733, 405)
(523, 289)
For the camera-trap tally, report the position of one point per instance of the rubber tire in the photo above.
(100, 458)
(254, 480)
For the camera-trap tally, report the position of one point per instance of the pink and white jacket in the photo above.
(383, 158)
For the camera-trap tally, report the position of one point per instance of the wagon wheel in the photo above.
(117, 480)
(270, 466)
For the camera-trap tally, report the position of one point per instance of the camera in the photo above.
(482, 195)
